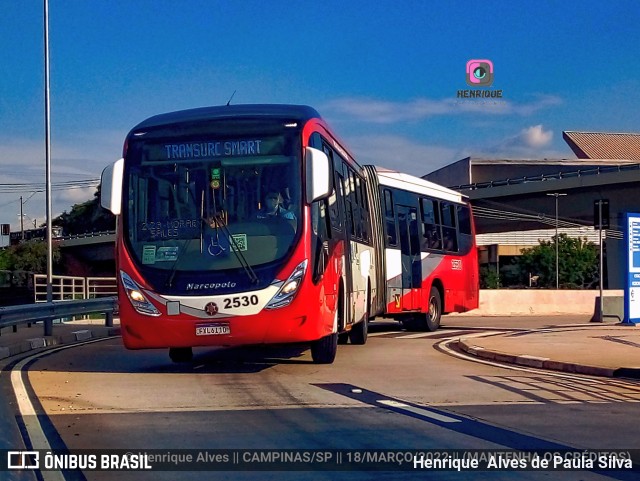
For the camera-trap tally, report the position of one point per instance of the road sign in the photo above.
(632, 290)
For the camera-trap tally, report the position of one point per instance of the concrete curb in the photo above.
(467, 346)
(45, 342)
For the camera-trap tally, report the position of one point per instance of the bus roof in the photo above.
(392, 178)
(295, 113)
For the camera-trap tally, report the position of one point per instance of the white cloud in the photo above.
(536, 136)
(387, 112)
(534, 142)
(76, 196)
(400, 153)
(531, 139)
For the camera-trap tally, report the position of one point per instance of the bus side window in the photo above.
(431, 224)
(465, 241)
(347, 199)
(464, 220)
(449, 234)
(390, 218)
(334, 208)
(364, 210)
(321, 233)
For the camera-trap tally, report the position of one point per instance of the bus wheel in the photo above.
(434, 313)
(429, 321)
(358, 333)
(323, 351)
(181, 354)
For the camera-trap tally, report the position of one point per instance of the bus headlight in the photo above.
(289, 288)
(138, 300)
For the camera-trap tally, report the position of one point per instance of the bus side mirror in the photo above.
(111, 187)
(318, 175)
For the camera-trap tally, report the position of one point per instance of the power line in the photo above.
(12, 188)
(524, 215)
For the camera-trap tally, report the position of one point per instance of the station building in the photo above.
(519, 202)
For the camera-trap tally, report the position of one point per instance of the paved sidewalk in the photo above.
(598, 349)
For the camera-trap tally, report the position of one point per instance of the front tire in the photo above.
(323, 351)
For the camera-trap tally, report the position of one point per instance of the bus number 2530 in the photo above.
(240, 301)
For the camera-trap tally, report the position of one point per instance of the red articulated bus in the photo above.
(253, 224)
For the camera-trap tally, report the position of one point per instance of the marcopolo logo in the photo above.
(479, 73)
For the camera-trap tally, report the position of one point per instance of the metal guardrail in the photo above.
(88, 234)
(47, 312)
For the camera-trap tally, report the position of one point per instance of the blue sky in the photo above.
(384, 74)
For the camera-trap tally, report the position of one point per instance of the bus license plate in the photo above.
(213, 330)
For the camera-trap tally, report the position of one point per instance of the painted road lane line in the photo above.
(418, 411)
(37, 439)
(29, 417)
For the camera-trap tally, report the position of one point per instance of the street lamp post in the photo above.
(556, 195)
(48, 325)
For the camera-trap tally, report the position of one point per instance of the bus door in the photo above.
(469, 261)
(350, 248)
(357, 264)
(410, 257)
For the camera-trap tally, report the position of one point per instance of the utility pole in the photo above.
(601, 222)
(48, 325)
(21, 220)
(556, 195)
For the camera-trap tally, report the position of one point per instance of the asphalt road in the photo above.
(401, 391)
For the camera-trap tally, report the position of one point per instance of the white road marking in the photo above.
(29, 416)
(418, 335)
(415, 410)
(374, 334)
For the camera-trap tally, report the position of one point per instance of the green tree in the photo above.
(489, 278)
(4, 259)
(86, 217)
(30, 256)
(577, 263)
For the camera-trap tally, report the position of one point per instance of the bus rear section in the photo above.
(428, 249)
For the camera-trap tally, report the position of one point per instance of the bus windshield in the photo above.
(213, 198)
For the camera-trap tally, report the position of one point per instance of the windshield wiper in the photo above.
(235, 248)
(253, 278)
(174, 267)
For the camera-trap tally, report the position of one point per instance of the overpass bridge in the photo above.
(91, 254)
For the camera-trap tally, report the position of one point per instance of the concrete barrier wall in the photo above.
(506, 302)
